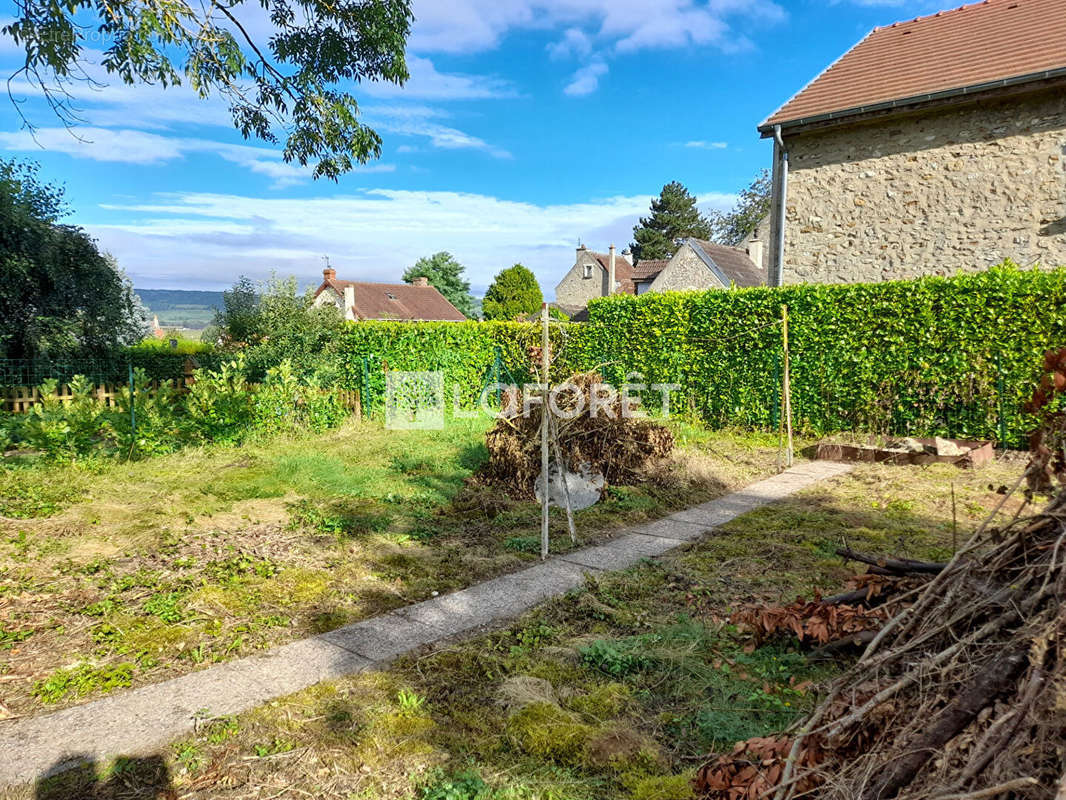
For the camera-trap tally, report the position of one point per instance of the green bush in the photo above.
(65, 430)
(220, 406)
(144, 421)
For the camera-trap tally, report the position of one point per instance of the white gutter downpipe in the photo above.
(776, 276)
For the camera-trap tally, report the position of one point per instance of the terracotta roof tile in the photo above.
(735, 264)
(648, 270)
(969, 46)
(623, 270)
(398, 301)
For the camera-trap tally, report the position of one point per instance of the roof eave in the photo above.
(844, 115)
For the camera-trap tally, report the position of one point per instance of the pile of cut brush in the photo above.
(960, 692)
(590, 435)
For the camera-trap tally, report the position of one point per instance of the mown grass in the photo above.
(619, 690)
(114, 574)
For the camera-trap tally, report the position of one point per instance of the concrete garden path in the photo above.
(144, 720)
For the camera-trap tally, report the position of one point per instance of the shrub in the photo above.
(146, 421)
(64, 430)
(220, 404)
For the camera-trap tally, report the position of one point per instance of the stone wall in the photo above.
(685, 271)
(575, 289)
(935, 193)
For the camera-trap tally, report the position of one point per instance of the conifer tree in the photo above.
(513, 292)
(674, 216)
(446, 274)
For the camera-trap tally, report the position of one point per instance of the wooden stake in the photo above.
(954, 523)
(787, 387)
(544, 431)
(566, 483)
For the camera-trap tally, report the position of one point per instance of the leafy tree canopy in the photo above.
(513, 292)
(674, 216)
(275, 322)
(445, 273)
(280, 64)
(732, 227)
(238, 321)
(60, 297)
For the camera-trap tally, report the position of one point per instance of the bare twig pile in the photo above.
(962, 693)
(607, 442)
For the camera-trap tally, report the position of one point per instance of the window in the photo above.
(390, 295)
(588, 270)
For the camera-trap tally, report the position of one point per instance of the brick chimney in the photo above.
(329, 274)
(349, 303)
(421, 280)
(610, 271)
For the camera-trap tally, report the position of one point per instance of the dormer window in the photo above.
(390, 295)
(588, 270)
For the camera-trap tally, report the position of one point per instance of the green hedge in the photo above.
(929, 356)
(922, 357)
(466, 352)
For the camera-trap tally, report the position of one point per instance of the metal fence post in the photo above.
(365, 400)
(133, 405)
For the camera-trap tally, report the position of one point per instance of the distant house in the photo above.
(415, 302)
(932, 146)
(697, 264)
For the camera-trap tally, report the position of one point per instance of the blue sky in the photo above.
(527, 126)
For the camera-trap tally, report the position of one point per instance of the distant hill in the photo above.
(181, 308)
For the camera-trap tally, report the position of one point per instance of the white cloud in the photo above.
(463, 26)
(210, 239)
(574, 44)
(699, 144)
(140, 147)
(103, 105)
(586, 80)
(426, 83)
(103, 100)
(405, 120)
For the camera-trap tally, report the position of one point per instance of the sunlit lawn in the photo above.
(114, 574)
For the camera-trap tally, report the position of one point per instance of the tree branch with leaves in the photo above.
(293, 81)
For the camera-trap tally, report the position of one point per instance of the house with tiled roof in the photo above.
(411, 302)
(932, 146)
(696, 264)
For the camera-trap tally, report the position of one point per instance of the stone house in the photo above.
(415, 302)
(932, 146)
(695, 265)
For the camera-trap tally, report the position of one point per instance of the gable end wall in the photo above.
(685, 271)
(952, 190)
(575, 289)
